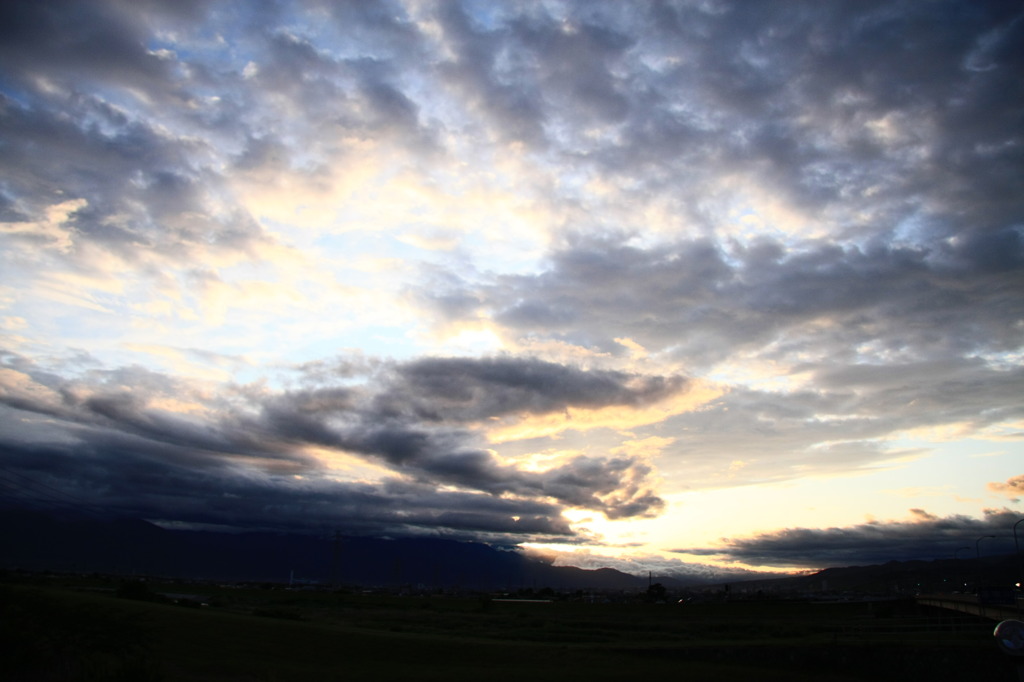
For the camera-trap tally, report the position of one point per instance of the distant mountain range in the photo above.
(893, 578)
(36, 540)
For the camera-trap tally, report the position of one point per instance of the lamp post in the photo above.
(1020, 572)
(977, 543)
(1016, 549)
(960, 572)
(977, 553)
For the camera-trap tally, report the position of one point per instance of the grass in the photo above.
(78, 631)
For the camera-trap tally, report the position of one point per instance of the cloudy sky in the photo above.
(639, 283)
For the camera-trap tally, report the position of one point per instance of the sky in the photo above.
(686, 286)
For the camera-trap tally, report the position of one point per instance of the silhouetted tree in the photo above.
(657, 592)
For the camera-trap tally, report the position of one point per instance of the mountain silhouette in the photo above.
(35, 540)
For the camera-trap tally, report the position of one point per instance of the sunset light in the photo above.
(698, 288)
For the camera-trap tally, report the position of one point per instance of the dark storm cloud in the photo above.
(238, 454)
(116, 476)
(577, 75)
(927, 537)
(140, 191)
(708, 301)
(96, 39)
(511, 105)
(120, 404)
(351, 82)
(793, 93)
(464, 389)
(414, 421)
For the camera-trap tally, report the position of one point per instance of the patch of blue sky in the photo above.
(1006, 361)
(913, 231)
(357, 258)
(486, 15)
(485, 251)
(10, 91)
(505, 256)
(201, 43)
(377, 341)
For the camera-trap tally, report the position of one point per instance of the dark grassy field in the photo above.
(63, 629)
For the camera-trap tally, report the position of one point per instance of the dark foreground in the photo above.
(99, 629)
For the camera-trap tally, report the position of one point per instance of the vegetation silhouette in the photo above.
(78, 628)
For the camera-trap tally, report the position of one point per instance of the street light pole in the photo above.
(1016, 549)
(977, 543)
(982, 599)
(1020, 573)
(977, 552)
(959, 566)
